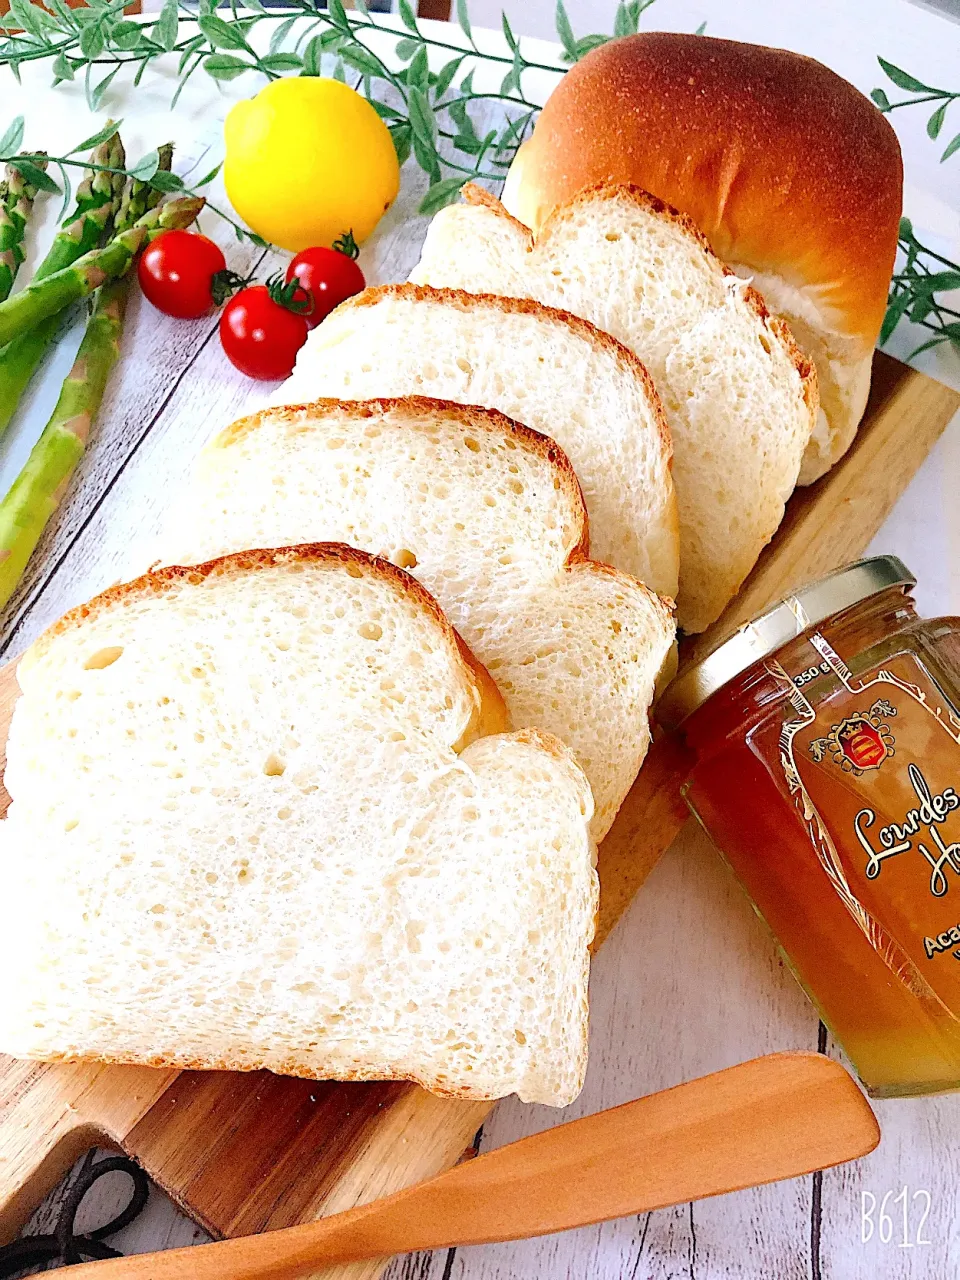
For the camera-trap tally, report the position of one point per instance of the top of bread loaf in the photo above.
(489, 517)
(257, 822)
(780, 162)
(546, 368)
(740, 397)
(791, 173)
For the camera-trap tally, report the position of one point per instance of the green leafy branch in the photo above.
(431, 114)
(916, 292)
(34, 166)
(923, 94)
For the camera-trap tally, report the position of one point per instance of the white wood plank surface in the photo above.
(688, 983)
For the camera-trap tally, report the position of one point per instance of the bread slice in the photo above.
(740, 397)
(258, 820)
(545, 368)
(488, 515)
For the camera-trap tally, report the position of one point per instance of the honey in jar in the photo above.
(825, 746)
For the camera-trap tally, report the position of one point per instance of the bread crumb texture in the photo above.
(244, 834)
(739, 397)
(543, 367)
(489, 517)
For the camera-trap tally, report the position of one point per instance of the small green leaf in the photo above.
(935, 123)
(588, 43)
(36, 176)
(91, 41)
(880, 99)
(361, 59)
(126, 36)
(895, 309)
(166, 27)
(565, 32)
(952, 147)
(337, 15)
(623, 23)
(427, 158)
(401, 135)
(62, 69)
(903, 80)
(418, 72)
(224, 66)
(446, 76)
(422, 120)
(97, 96)
(906, 229)
(108, 131)
(189, 49)
(145, 167)
(385, 111)
(508, 35)
(163, 181)
(466, 84)
(282, 62)
(441, 194)
(938, 282)
(361, 8)
(312, 55)
(12, 139)
(208, 177)
(701, 29)
(408, 17)
(222, 35)
(463, 18)
(280, 32)
(406, 48)
(339, 73)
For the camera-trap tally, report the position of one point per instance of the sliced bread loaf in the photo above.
(740, 397)
(488, 515)
(258, 821)
(548, 369)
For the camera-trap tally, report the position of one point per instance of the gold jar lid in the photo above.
(778, 626)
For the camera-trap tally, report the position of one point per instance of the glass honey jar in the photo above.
(824, 740)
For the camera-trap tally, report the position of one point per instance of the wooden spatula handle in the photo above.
(775, 1117)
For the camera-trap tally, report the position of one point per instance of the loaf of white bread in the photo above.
(488, 515)
(740, 397)
(792, 174)
(262, 817)
(546, 368)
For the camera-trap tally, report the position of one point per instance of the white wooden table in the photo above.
(689, 982)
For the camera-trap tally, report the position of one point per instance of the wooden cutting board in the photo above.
(244, 1153)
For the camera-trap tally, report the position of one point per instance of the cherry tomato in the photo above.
(260, 336)
(326, 277)
(177, 274)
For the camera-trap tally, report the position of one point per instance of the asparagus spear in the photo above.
(48, 296)
(95, 198)
(37, 491)
(18, 195)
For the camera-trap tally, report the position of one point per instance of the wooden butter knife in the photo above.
(774, 1117)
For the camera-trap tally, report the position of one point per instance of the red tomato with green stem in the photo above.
(262, 329)
(327, 276)
(184, 274)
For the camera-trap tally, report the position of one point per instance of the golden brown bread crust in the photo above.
(491, 714)
(560, 214)
(784, 165)
(464, 301)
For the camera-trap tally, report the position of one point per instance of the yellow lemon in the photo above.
(308, 159)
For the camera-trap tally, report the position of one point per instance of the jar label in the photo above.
(874, 768)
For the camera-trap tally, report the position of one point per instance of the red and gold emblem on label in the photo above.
(860, 742)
